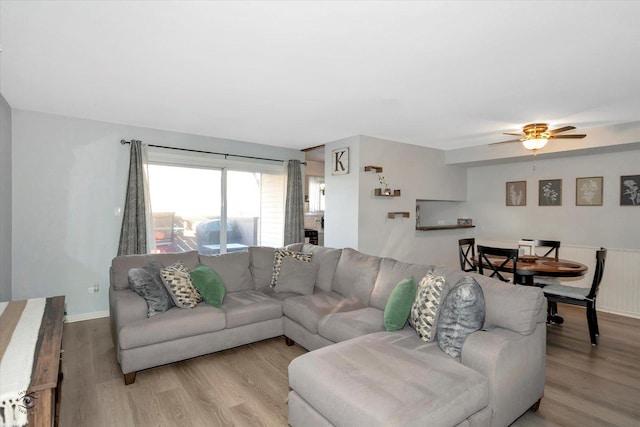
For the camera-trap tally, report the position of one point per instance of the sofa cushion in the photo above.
(350, 324)
(388, 378)
(209, 284)
(462, 314)
(271, 292)
(281, 254)
(146, 282)
(261, 265)
(296, 276)
(121, 265)
(247, 307)
(356, 275)
(173, 324)
(398, 308)
(177, 280)
(424, 312)
(327, 260)
(233, 268)
(309, 310)
(392, 272)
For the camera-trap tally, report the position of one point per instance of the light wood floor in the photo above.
(247, 386)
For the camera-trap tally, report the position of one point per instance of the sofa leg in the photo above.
(289, 341)
(130, 378)
(536, 406)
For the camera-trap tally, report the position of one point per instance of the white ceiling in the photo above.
(298, 74)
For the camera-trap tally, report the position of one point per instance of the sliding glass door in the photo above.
(215, 210)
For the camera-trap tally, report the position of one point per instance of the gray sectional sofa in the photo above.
(356, 373)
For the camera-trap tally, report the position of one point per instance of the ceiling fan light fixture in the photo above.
(535, 143)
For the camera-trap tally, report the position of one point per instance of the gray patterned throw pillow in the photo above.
(463, 313)
(177, 280)
(424, 311)
(277, 261)
(146, 282)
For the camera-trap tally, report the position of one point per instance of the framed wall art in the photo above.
(589, 191)
(516, 193)
(630, 190)
(550, 192)
(340, 161)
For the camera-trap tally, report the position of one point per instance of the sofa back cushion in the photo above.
(233, 269)
(327, 260)
(121, 265)
(356, 275)
(261, 265)
(391, 273)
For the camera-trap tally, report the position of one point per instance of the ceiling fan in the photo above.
(534, 136)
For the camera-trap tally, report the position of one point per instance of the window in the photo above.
(316, 193)
(215, 209)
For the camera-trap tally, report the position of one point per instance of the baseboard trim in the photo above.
(619, 312)
(87, 316)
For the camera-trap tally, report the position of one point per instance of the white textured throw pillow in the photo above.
(424, 311)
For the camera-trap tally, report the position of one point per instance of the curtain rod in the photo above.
(122, 141)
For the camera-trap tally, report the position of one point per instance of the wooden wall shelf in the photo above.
(392, 215)
(443, 227)
(376, 169)
(394, 193)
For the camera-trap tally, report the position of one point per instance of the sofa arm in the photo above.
(514, 365)
(125, 307)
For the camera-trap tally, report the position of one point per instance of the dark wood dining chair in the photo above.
(467, 251)
(585, 297)
(497, 269)
(549, 248)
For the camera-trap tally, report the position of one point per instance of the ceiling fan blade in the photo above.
(562, 129)
(574, 136)
(505, 142)
(514, 134)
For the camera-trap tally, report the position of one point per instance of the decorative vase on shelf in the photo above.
(387, 191)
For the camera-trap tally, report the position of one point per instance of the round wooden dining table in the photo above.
(528, 267)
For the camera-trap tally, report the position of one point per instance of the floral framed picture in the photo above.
(550, 192)
(589, 191)
(517, 193)
(630, 190)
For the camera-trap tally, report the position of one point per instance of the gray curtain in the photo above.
(133, 234)
(294, 208)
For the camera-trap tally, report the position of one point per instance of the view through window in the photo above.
(215, 210)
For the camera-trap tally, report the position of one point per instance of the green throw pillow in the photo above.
(398, 307)
(209, 284)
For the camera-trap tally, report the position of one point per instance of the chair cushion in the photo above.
(247, 307)
(567, 291)
(309, 310)
(350, 324)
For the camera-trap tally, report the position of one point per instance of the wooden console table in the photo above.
(43, 393)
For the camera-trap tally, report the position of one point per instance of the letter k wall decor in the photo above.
(340, 161)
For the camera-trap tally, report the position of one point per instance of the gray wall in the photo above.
(5, 200)
(69, 175)
(610, 225)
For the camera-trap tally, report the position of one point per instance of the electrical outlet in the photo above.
(91, 290)
(441, 222)
(94, 289)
